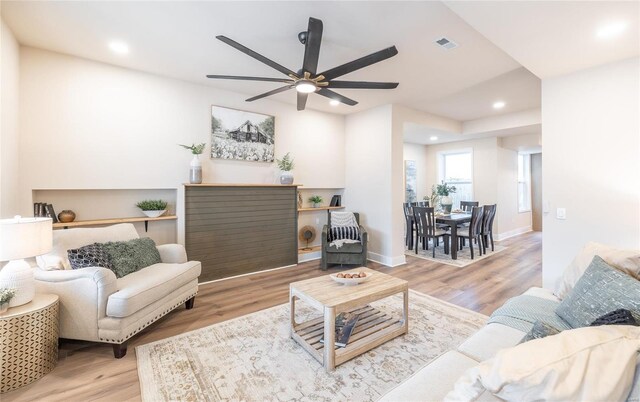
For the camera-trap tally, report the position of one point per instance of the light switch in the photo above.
(546, 206)
(317, 221)
(561, 213)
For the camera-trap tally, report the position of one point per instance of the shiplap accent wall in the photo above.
(238, 229)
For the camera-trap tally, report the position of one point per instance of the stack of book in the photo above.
(44, 210)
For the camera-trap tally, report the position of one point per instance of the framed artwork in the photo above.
(410, 181)
(240, 135)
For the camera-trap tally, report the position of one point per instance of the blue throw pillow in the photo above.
(600, 290)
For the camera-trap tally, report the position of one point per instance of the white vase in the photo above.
(154, 214)
(4, 307)
(286, 178)
(195, 171)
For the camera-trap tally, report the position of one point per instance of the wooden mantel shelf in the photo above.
(319, 209)
(112, 221)
(240, 185)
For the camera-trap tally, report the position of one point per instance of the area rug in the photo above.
(464, 255)
(252, 358)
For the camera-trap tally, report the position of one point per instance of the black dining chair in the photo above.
(422, 204)
(487, 226)
(408, 219)
(467, 205)
(475, 229)
(426, 229)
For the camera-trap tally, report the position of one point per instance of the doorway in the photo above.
(536, 192)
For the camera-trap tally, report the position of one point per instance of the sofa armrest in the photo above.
(172, 253)
(83, 295)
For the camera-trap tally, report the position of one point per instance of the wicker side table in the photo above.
(28, 342)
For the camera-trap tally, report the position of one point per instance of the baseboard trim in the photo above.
(316, 255)
(514, 232)
(386, 260)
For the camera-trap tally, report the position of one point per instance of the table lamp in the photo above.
(22, 238)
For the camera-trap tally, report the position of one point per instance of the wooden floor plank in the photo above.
(88, 371)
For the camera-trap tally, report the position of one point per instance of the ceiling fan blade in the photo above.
(255, 55)
(243, 78)
(302, 100)
(312, 46)
(360, 63)
(273, 92)
(362, 85)
(333, 95)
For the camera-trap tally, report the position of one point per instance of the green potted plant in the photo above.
(444, 190)
(6, 294)
(153, 208)
(315, 200)
(286, 165)
(195, 170)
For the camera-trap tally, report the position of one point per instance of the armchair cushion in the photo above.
(349, 248)
(141, 288)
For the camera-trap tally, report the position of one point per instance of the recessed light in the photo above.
(433, 138)
(498, 105)
(334, 102)
(610, 30)
(119, 47)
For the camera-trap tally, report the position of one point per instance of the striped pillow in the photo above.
(344, 232)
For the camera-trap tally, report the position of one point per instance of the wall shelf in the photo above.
(318, 209)
(112, 221)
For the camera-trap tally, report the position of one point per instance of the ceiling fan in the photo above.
(307, 80)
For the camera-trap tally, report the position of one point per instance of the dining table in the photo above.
(452, 220)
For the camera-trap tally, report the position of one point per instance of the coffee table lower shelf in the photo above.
(372, 330)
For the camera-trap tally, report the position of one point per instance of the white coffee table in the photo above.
(331, 298)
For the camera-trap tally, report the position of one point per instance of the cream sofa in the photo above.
(435, 380)
(97, 306)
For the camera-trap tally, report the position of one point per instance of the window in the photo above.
(524, 182)
(456, 169)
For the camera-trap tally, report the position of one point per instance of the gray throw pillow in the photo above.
(601, 289)
(130, 256)
(540, 330)
(92, 255)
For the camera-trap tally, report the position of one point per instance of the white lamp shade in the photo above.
(25, 237)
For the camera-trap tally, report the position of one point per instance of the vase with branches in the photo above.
(444, 191)
(195, 167)
(286, 165)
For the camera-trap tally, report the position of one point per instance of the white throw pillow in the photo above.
(627, 261)
(584, 364)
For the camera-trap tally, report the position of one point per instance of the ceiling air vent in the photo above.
(446, 43)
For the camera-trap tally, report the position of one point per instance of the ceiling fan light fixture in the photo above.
(334, 102)
(306, 86)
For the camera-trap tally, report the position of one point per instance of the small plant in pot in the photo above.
(444, 190)
(315, 200)
(6, 294)
(195, 170)
(153, 208)
(286, 165)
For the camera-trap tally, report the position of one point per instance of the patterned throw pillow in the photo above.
(344, 232)
(130, 256)
(618, 317)
(92, 255)
(600, 290)
(540, 330)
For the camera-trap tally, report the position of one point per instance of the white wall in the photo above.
(369, 177)
(90, 125)
(9, 99)
(591, 161)
(418, 153)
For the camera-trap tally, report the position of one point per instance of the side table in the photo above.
(28, 342)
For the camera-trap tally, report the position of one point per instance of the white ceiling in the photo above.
(519, 89)
(177, 39)
(555, 37)
(420, 134)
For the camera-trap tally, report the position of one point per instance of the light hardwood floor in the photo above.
(88, 371)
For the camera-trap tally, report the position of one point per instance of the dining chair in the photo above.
(408, 219)
(426, 229)
(487, 226)
(475, 230)
(467, 205)
(423, 204)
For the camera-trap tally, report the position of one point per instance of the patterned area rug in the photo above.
(252, 358)
(464, 255)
